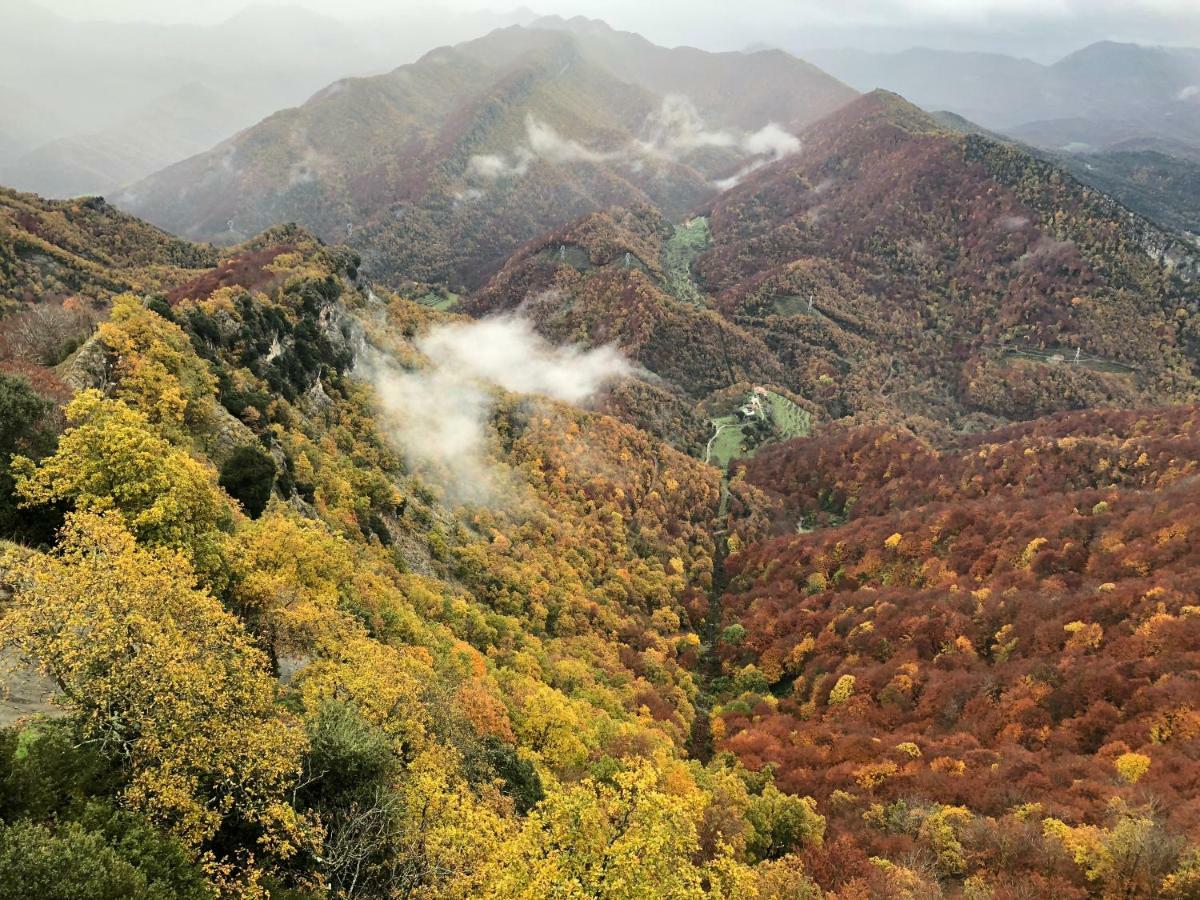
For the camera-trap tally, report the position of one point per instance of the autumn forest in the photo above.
(577, 491)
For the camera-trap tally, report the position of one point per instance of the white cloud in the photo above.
(677, 128)
(490, 166)
(440, 414)
(548, 144)
(544, 142)
(673, 131)
(772, 141)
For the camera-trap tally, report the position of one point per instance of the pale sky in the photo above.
(1004, 25)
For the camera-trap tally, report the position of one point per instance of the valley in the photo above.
(567, 466)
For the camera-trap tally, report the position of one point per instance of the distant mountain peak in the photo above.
(576, 23)
(1107, 53)
(478, 147)
(885, 104)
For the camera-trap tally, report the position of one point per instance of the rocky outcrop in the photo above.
(88, 367)
(225, 435)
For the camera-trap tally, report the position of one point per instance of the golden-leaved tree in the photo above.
(629, 836)
(289, 574)
(158, 674)
(111, 458)
(157, 370)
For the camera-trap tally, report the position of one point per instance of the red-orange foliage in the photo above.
(868, 471)
(1015, 614)
(247, 270)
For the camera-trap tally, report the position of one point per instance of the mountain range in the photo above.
(949, 305)
(1122, 117)
(438, 170)
(566, 466)
(562, 171)
(1091, 99)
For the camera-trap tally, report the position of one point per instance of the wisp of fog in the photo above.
(675, 130)
(439, 415)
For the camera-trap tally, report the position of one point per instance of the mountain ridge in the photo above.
(656, 146)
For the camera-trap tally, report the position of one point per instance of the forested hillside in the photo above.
(976, 271)
(984, 287)
(1123, 117)
(372, 689)
(983, 658)
(55, 250)
(780, 517)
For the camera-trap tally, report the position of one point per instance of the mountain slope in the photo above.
(439, 170)
(115, 101)
(1093, 94)
(741, 90)
(934, 260)
(992, 89)
(239, 518)
(174, 126)
(1161, 186)
(981, 652)
(428, 626)
(1089, 108)
(51, 250)
(891, 270)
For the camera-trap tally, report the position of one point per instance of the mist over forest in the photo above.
(608, 450)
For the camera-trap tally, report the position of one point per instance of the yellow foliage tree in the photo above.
(1132, 766)
(111, 459)
(561, 732)
(448, 838)
(624, 838)
(158, 674)
(781, 823)
(842, 690)
(940, 830)
(1130, 858)
(383, 682)
(158, 371)
(289, 574)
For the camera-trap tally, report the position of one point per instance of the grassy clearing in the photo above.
(443, 300)
(790, 421)
(793, 305)
(727, 443)
(679, 252)
(733, 438)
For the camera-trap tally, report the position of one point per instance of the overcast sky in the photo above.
(1036, 27)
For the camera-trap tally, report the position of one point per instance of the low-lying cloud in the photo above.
(440, 415)
(548, 144)
(772, 141)
(678, 129)
(674, 131)
(490, 166)
(543, 142)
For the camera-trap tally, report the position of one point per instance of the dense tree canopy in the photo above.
(941, 645)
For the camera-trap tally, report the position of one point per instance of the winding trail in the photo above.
(716, 434)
